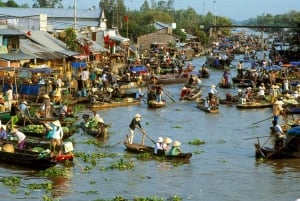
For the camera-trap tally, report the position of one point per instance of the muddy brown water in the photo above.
(224, 168)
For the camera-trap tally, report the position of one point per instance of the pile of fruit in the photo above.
(34, 129)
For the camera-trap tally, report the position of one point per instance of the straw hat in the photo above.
(239, 90)
(99, 120)
(160, 139)
(56, 123)
(167, 140)
(14, 130)
(25, 102)
(213, 86)
(48, 126)
(138, 116)
(277, 102)
(177, 143)
(46, 96)
(298, 85)
(3, 127)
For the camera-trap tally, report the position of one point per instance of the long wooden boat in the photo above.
(168, 79)
(139, 148)
(287, 148)
(27, 158)
(254, 105)
(93, 132)
(122, 103)
(204, 108)
(42, 147)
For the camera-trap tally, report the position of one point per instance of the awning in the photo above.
(119, 38)
(17, 56)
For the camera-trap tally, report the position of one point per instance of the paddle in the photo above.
(262, 120)
(168, 94)
(256, 137)
(144, 133)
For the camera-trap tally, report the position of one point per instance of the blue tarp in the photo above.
(294, 131)
(78, 64)
(295, 63)
(30, 89)
(138, 69)
(274, 67)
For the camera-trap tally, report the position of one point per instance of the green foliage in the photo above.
(196, 142)
(47, 4)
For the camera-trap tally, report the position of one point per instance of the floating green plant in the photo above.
(221, 142)
(122, 164)
(177, 126)
(196, 142)
(11, 181)
(35, 186)
(52, 172)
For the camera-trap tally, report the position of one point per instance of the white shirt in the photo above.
(261, 91)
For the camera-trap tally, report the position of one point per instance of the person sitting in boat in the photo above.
(166, 144)
(20, 136)
(158, 148)
(135, 122)
(139, 95)
(204, 72)
(249, 94)
(3, 133)
(185, 93)
(175, 149)
(191, 80)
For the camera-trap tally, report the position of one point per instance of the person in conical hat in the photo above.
(175, 150)
(166, 144)
(159, 146)
(47, 105)
(21, 137)
(135, 123)
(56, 137)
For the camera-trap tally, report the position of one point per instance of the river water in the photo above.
(224, 168)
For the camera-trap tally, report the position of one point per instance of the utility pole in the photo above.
(75, 15)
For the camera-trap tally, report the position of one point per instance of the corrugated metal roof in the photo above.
(32, 48)
(46, 40)
(93, 46)
(51, 12)
(11, 32)
(16, 56)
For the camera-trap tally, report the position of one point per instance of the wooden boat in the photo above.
(139, 148)
(42, 148)
(95, 131)
(201, 105)
(292, 109)
(253, 105)
(283, 148)
(155, 104)
(26, 158)
(41, 132)
(168, 79)
(122, 103)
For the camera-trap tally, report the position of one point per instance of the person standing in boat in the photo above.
(279, 135)
(135, 122)
(261, 90)
(14, 110)
(24, 108)
(47, 105)
(159, 146)
(277, 109)
(9, 95)
(56, 137)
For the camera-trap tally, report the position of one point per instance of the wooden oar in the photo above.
(144, 133)
(256, 137)
(262, 120)
(169, 95)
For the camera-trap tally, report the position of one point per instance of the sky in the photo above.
(234, 9)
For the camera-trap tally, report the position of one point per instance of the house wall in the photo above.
(161, 36)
